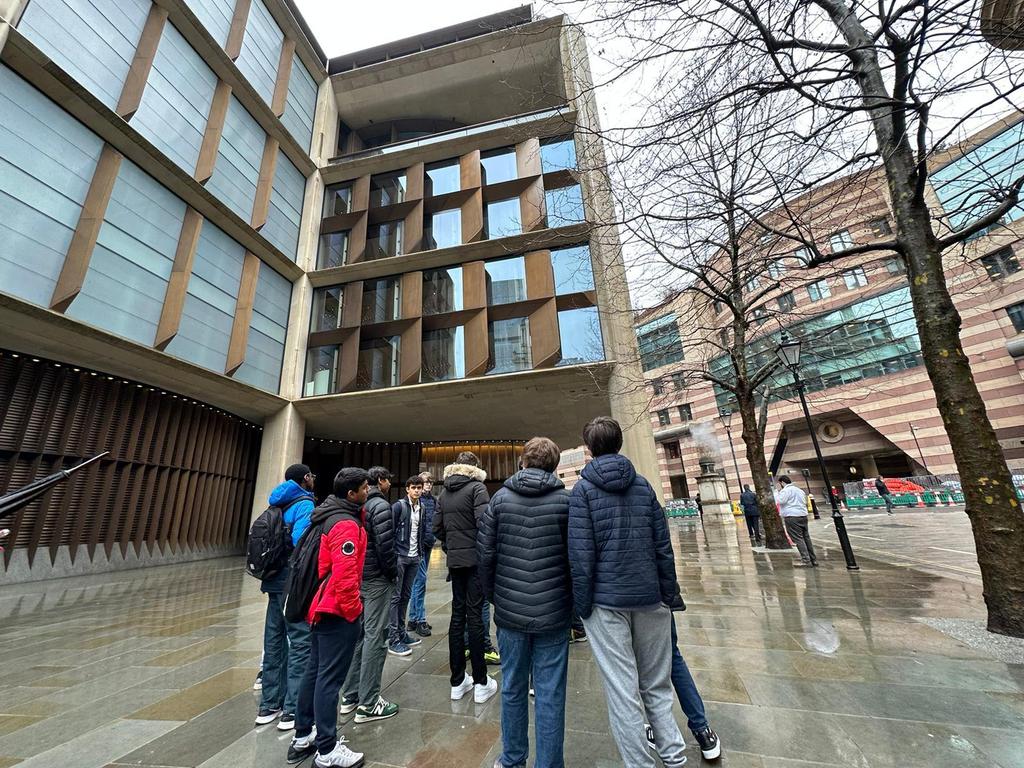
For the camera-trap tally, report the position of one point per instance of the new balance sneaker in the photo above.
(382, 710)
(302, 748)
(710, 745)
(483, 692)
(649, 735)
(460, 690)
(257, 684)
(491, 656)
(577, 636)
(347, 704)
(410, 641)
(339, 757)
(267, 715)
(399, 649)
(287, 722)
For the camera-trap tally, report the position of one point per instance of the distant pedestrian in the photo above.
(885, 493)
(334, 615)
(459, 509)
(410, 538)
(752, 514)
(285, 643)
(793, 508)
(623, 575)
(417, 601)
(524, 572)
(363, 682)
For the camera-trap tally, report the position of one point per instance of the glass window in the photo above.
(321, 370)
(802, 255)
(444, 354)
(787, 301)
(326, 309)
(378, 362)
(775, 269)
(499, 165)
(895, 266)
(580, 332)
(880, 226)
(445, 229)
(502, 218)
(382, 300)
(557, 154)
(509, 342)
(333, 250)
(506, 280)
(663, 418)
(338, 199)
(752, 284)
(1001, 263)
(387, 189)
(573, 270)
(659, 342)
(564, 206)
(819, 290)
(679, 381)
(685, 412)
(723, 336)
(855, 278)
(1016, 315)
(672, 450)
(659, 386)
(384, 240)
(442, 290)
(841, 240)
(442, 178)
(760, 316)
(716, 305)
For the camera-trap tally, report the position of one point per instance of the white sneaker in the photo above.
(485, 691)
(339, 757)
(458, 691)
(302, 748)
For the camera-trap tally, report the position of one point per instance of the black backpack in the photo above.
(270, 542)
(303, 574)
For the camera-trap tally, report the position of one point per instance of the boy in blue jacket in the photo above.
(624, 579)
(285, 644)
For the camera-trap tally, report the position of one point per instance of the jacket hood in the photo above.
(287, 492)
(333, 505)
(458, 475)
(612, 472)
(533, 482)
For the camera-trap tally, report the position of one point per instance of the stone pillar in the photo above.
(869, 467)
(714, 498)
(283, 437)
(10, 10)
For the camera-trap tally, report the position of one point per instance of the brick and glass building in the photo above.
(223, 252)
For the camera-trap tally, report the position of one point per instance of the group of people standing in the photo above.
(556, 567)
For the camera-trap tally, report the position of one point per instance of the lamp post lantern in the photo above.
(726, 416)
(789, 353)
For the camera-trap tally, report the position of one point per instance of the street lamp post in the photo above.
(726, 416)
(789, 353)
(920, 453)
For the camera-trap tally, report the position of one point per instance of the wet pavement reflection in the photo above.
(798, 667)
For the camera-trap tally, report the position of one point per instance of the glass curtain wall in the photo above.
(442, 290)
(444, 354)
(379, 362)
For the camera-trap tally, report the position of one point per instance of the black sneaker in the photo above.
(710, 746)
(422, 629)
(267, 715)
(302, 748)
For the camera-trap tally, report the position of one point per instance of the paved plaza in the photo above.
(798, 667)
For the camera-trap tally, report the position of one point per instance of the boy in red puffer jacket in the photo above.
(335, 618)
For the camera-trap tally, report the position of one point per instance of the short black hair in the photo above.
(414, 481)
(602, 436)
(784, 479)
(746, 487)
(379, 473)
(468, 457)
(349, 479)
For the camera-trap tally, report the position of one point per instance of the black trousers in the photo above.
(467, 603)
(332, 642)
(753, 525)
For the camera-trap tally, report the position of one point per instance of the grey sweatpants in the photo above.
(633, 651)
(801, 536)
(363, 679)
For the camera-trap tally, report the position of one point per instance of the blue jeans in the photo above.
(686, 689)
(417, 602)
(546, 656)
(285, 655)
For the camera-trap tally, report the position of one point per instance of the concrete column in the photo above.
(868, 466)
(10, 10)
(283, 436)
(714, 499)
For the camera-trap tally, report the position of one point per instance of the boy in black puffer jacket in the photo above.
(524, 571)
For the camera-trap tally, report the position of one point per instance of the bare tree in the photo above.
(884, 86)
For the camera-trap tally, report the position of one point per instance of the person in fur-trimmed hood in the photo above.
(460, 508)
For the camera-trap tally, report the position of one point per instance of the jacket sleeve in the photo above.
(439, 523)
(480, 501)
(384, 534)
(428, 523)
(300, 512)
(486, 547)
(346, 569)
(582, 550)
(664, 559)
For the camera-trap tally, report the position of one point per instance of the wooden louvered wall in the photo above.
(179, 478)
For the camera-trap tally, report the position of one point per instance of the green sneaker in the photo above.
(491, 656)
(382, 710)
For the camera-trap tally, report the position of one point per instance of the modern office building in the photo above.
(873, 404)
(222, 253)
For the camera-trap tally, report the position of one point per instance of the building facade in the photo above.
(872, 402)
(223, 253)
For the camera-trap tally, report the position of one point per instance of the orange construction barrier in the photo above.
(920, 500)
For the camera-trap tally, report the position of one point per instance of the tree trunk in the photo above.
(992, 506)
(774, 534)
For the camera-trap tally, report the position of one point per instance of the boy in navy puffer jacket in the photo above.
(624, 579)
